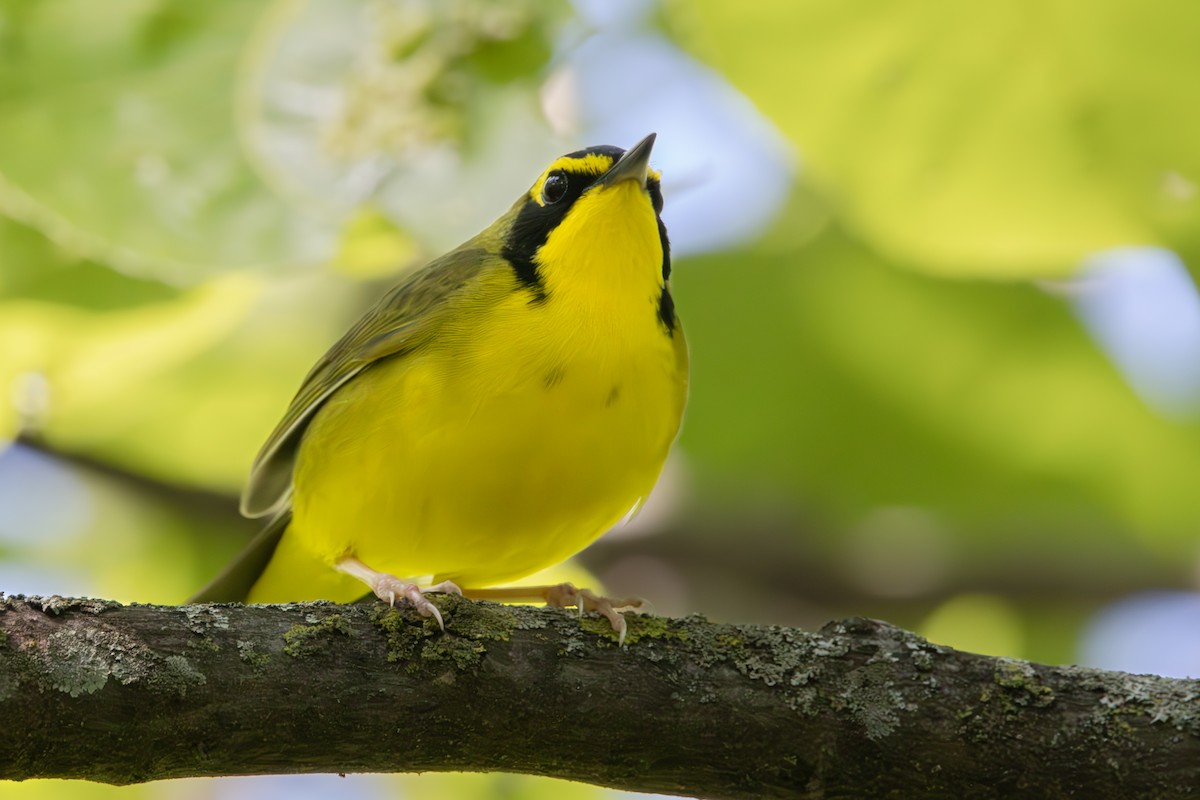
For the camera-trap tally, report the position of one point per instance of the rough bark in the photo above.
(123, 694)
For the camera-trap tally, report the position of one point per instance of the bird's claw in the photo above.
(566, 595)
(389, 588)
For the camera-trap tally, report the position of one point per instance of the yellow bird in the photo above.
(492, 415)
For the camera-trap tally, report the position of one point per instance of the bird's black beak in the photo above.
(632, 166)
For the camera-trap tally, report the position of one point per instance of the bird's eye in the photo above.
(554, 188)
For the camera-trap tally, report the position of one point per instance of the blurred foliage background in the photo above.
(935, 260)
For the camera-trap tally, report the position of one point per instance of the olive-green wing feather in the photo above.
(401, 322)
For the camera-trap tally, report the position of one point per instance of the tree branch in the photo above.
(123, 694)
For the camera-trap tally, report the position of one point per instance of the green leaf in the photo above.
(32, 268)
(997, 139)
(854, 385)
(174, 139)
(118, 138)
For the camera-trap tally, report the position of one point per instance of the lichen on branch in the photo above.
(690, 707)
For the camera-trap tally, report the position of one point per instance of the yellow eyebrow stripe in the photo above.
(591, 164)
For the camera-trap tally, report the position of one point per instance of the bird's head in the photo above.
(591, 221)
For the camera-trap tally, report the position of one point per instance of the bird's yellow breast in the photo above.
(522, 431)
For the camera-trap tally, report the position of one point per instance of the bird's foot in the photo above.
(567, 595)
(390, 588)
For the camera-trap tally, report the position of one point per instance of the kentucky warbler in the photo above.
(490, 416)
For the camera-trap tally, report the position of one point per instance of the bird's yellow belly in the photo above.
(427, 466)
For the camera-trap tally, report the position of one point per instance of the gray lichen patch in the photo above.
(249, 653)
(1125, 697)
(781, 656)
(528, 618)
(303, 640)
(922, 660)
(56, 605)
(80, 661)
(176, 676)
(202, 618)
(789, 661)
(870, 697)
(814, 673)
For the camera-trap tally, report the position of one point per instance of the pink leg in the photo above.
(390, 588)
(566, 595)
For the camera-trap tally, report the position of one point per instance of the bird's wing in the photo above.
(399, 323)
